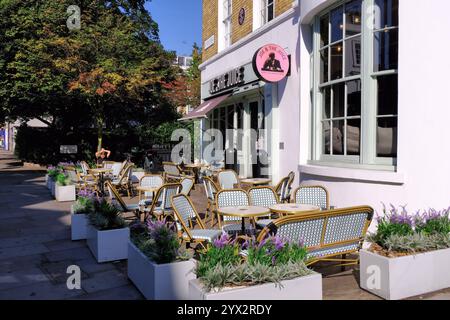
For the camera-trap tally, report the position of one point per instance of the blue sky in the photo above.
(180, 23)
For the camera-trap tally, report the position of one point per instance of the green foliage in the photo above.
(83, 205)
(272, 260)
(246, 274)
(417, 242)
(53, 173)
(275, 251)
(435, 223)
(159, 242)
(106, 216)
(387, 229)
(62, 179)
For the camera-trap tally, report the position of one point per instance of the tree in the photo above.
(110, 73)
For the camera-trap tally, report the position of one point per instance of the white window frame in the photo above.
(368, 154)
(227, 7)
(265, 4)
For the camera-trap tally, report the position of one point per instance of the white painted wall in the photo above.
(287, 91)
(423, 178)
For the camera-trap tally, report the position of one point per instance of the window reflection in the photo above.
(353, 18)
(353, 57)
(337, 24)
(336, 61)
(386, 14)
(386, 50)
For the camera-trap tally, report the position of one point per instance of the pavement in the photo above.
(36, 250)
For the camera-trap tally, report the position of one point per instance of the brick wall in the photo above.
(210, 16)
(282, 6)
(240, 31)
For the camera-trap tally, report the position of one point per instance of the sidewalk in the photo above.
(35, 245)
(35, 248)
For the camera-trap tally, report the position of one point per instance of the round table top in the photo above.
(100, 170)
(293, 208)
(196, 165)
(244, 211)
(256, 181)
(147, 189)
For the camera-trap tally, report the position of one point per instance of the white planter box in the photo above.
(79, 223)
(404, 277)
(47, 181)
(109, 245)
(52, 187)
(65, 193)
(137, 176)
(159, 281)
(303, 288)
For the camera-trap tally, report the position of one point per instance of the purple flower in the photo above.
(222, 241)
(279, 243)
(274, 260)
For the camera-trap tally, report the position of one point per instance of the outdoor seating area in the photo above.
(121, 215)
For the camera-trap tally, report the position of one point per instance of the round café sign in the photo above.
(271, 63)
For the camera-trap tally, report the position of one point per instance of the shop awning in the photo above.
(202, 110)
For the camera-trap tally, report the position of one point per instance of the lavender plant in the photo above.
(105, 216)
(401, 232)
(85, 202)
(271, 261)
(158, 240)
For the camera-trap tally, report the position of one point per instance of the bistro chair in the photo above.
(283, 188)
(123, 182)
(116, 170)
(187, 185)
(263, 197)
(211, 190)
(313, 195)
(161, 206)
(118, 201)
(228, 179)
(172, 172)
(232, 198)
(151, 181)
(184, 212)
(328, 236)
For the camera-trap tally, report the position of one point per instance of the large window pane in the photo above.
(324, 65)
(326, 137)
(326, 103)
(386, 13)
(387, 137)
(386, 50)
(337, 24)
(353, 18)
(339, 100)
(353, 137)
(388, 95)
(324, 30)
(354, 98)
(353, 57)
(336, 61)
(338, 137)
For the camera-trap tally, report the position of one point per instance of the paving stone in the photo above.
(90, 266)
(30, 249)
(128, 292)
(40, 291)
(19, 263)
(22, 277)
(56, 245)
(104, 280)
(70, 254)
(21, 241)
(57, 271)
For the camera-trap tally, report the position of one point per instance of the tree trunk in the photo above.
(99, 134)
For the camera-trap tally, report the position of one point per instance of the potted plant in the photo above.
(272, 269)
(52, 173)
(137, 174)
(79, 214)
(64, 189)
(107, 233)
(156, 264)
(409, 255)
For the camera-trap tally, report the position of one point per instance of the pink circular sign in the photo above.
(271, 63)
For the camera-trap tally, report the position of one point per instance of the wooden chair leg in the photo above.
(344, 256)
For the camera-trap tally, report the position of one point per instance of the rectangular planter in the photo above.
(52, 187)
(65, 193)
(109, 245)
(79, 223)
(405, 277)
(159, 281)
(137, 176)
(303, 288)
(47, 181)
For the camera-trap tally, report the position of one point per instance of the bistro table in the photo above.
(244, 212)
(196, 167)
(101, 175)
(256, 181)
(142, 189)
(293, 209)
